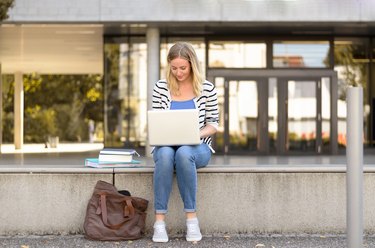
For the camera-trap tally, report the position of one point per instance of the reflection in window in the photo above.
(232, 54)
(199, 47)
(372, 83)
(326, 112)
(272, 112)
(351, 63)
(219, 136)
(72, 111)
(126, 94)
(7, 118)
(301, 115)
(300, 54)
(243, 115)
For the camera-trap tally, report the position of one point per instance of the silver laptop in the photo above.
(173, 127)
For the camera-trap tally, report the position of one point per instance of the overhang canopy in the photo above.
(51, 49)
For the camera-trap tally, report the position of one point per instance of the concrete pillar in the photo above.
(153, 67)
(18, 110)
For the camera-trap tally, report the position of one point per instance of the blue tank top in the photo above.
(189, 104)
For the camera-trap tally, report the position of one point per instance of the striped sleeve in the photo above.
(212, 110)
(158, 95)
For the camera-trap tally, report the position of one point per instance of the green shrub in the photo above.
(39, 124)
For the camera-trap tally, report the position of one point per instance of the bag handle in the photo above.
(102, 208)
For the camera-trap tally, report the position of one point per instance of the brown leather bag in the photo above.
(114, 216)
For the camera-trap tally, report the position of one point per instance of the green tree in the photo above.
(61, 105)
(6, 118)
(112, 52)
(8, 106)
(354, 73)
(5, 5)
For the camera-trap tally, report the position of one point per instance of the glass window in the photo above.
(351, 58)
(301, 115)
(301, 54)
(372, 83)
(72, 112)
(199, 47)
(219, 136)
(272, 113)
(7, 117)
(237, 54)
(243, 115)
(326, 112)
(126, 93)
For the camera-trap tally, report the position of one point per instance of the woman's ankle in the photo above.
(159, 217)
(191, 215)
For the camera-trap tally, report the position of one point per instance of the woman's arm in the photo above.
(212, 112)
(156, 97)
(208, 130)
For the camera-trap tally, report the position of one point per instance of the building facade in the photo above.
(281, 67)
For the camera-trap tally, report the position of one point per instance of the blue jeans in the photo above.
(185, 160)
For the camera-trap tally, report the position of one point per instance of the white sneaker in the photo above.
(193, 232)
(160, 233)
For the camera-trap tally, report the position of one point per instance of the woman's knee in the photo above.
(184, 154)
(164, 154)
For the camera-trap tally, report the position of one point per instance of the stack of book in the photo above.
(113, 157)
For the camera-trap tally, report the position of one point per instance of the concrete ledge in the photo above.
(18, 170)
(230, 199)
(209, 169)
(286, 203)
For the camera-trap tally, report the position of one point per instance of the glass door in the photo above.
(276, 111)
(301, 123)
(243, 116)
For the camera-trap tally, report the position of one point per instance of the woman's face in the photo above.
(180, 69)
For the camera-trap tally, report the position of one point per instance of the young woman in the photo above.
(184, 88)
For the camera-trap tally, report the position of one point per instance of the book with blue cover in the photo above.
(95, 163)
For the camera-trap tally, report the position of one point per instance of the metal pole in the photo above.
(354, 171)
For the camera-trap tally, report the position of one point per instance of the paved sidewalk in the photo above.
(238, 241)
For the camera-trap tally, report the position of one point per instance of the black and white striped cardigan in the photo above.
(207, 104)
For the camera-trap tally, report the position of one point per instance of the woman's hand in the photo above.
(208, 130)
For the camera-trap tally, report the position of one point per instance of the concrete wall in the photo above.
(45, 203)
(198, 10)
(253, 202)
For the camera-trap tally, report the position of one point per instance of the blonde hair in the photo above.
(186, 51)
